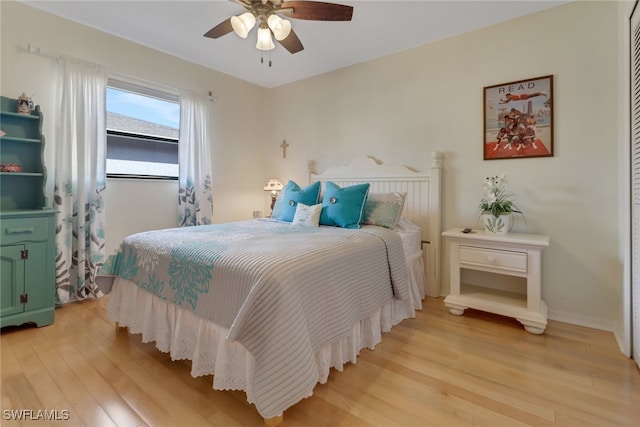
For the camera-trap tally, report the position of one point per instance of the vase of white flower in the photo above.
(497, 206)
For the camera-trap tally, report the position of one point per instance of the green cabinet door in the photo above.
(38, 288)
(27, 287)
(12, 276)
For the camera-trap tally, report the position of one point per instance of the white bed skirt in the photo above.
(186, 336)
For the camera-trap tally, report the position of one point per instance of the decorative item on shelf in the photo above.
(10, 167)
(497, 207)
(25, 104)
(274, 185)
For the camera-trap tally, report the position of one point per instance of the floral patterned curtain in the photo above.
(80, 158)
(195, 202)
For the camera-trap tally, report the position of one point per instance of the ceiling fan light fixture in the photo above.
(264, 39)
(242, 24)
(280, 27)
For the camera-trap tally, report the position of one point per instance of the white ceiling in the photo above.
(378, 28)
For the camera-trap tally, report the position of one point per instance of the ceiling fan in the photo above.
(267, 14)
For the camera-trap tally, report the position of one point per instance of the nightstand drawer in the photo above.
(24, 229)
(508, 260)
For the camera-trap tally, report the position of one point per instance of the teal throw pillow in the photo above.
(343, 207)
(291, 195)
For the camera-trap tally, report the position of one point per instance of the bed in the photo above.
(276, 327)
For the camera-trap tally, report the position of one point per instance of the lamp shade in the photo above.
(280, 27)
(273, 185)
(243, 24)
(264, 39)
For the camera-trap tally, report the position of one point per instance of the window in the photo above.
(142, 132)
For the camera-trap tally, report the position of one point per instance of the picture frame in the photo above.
(518, 119)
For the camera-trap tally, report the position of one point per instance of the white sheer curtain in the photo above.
(195, 202)
(80, 152)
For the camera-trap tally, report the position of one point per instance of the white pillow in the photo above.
(307, 216)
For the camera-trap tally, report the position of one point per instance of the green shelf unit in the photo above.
(27, 226)
(27, 126)
(21, 191)
(22, 144)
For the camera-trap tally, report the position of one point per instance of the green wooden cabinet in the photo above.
(27, 267)
(27, 227)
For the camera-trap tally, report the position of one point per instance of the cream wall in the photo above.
(401, 107)
(622, 328)
(397, 108)
(133, 206)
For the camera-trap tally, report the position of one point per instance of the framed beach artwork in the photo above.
(518, 119)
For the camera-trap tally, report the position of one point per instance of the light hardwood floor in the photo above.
(437, 369)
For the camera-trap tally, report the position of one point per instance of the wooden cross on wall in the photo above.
(284, 146)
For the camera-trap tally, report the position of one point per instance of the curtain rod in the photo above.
(32, 50)
(37, 51)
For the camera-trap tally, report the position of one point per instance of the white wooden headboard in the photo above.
(422, 204)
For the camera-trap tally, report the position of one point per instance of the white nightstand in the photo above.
(511, 254)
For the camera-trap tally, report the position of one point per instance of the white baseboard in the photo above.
(580, 320)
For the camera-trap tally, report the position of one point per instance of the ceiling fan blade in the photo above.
(220, 30)
(317, 11)
(292, 43)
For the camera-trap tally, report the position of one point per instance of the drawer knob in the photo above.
(491, 259)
